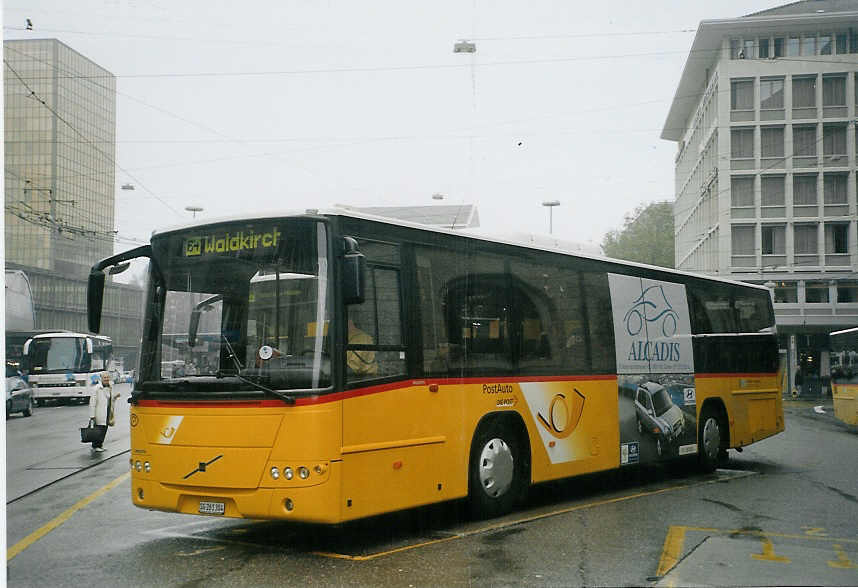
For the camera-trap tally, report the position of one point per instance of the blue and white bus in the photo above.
(65, 366)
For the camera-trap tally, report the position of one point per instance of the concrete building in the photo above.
(764, 118)
(60, 152)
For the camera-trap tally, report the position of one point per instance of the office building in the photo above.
(764, 118)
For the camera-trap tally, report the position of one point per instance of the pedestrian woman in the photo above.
(101, 407)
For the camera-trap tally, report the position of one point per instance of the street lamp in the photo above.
(551, 204)
(194, 209)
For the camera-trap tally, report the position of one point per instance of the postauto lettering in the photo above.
(230, 242)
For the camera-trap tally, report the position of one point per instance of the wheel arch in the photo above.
(716, 405)
(513, 421)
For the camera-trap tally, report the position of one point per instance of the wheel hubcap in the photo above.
(496, 467)
(711, 438)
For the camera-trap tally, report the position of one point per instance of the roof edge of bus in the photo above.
(351, 213)
(843, 331)
(47, 334)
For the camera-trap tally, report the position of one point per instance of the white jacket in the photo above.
(99, 401)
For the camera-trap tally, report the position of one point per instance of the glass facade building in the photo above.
(60, 152)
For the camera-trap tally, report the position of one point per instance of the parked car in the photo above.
(19, 394)
(657, 415)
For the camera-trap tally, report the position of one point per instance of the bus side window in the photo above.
(374, 340)
(436, 270)
(600, 325)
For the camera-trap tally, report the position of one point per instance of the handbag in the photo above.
(89, 433)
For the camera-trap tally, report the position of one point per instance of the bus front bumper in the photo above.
(317, 503)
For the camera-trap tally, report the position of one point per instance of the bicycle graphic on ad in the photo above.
(654, 301)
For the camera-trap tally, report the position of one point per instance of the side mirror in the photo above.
(95, 299)
(354, 273)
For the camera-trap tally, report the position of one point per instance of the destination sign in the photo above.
(231, 242)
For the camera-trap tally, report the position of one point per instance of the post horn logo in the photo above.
(564, 414)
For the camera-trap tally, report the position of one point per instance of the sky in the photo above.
(239, 107)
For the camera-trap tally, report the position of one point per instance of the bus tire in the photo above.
(497, 470)
(711, 439)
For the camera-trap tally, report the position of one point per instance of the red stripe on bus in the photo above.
(357, 392)
(729, 375)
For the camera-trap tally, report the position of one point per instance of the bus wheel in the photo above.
(496, 474)
(709, 438)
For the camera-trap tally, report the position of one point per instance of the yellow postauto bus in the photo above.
(334, 365)
(844, 374)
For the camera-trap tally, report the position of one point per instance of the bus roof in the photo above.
(844, 332)
(533, 244)
(67, 334)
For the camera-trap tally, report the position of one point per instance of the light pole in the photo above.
(551, 204)
(194, 209)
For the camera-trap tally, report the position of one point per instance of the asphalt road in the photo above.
(783, 513)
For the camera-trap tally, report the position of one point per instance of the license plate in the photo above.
(211, 507)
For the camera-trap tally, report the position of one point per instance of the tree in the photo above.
(646, 236)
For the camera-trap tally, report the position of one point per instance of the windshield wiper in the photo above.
(284, 397)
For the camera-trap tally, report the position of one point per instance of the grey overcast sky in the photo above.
(251, 106)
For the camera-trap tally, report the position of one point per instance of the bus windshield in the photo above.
(53, 355)
(73, 352)
(241, 307)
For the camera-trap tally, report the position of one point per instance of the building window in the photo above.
(804, 190)
(764, 48)
(834, 90)
(772, 141)
(785, 293)
(841, 43)
(847, 291)
(742, 194)
(825, 45)
(834, 140)
(792, 46)
(836, 238)
(735, 48)
(816, 292)
(742, 240)
(804, 141)
(804, 92)
(742, 143)
(805, 239)
(808, 45)
(772, 93)
(742, 95)
(772, 191)
(773, 240)
(834, 188)
(779, 47)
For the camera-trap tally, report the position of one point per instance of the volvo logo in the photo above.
(202, 466)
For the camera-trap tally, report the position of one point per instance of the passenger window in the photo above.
(436, 268)
(600, 324)
(552, 330)
(375, 347)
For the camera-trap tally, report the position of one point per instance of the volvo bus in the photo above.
(844, 374)
(354, 365)
(66, 366)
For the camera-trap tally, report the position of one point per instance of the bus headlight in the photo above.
(147, 467)
(138, 466)
(303, 473)
(275, 473)
(287, 473)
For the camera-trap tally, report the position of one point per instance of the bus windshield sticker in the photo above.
(652, 328)
(200, 245)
